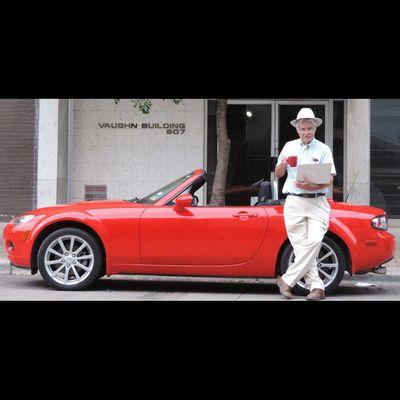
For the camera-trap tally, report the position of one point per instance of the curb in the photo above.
(7, 269)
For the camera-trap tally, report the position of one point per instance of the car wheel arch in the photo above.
(336, 238)
(342, 244)
(60, 225)
(279, 257)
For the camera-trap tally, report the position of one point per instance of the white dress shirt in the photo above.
(315, 152)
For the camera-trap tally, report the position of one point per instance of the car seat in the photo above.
(265, 194)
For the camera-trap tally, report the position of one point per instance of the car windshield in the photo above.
(160, 193)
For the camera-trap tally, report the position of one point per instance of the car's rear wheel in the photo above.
(70, 259)
(331, 266)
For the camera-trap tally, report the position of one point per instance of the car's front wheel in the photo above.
(70, 259)
(331, 264)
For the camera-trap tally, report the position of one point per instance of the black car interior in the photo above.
(264, 195)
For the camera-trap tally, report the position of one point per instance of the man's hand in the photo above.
(307, 185)
(280, 169)
(284, 161)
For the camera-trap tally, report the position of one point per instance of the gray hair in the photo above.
(300, 121)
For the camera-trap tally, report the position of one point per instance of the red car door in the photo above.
(201, 235)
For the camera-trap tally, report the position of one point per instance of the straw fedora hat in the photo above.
(306, 113)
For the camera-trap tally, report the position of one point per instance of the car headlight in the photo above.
(380, 223)
(23, 219)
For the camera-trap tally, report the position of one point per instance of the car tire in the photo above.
(336, 273)
(68, 270)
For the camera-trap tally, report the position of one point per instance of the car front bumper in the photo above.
(18, 245)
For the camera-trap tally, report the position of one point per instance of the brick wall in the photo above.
(17, 156)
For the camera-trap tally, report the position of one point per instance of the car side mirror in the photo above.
(181, 202)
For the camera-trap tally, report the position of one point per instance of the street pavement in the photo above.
(19, 285)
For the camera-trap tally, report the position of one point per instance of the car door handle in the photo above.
(245, 215)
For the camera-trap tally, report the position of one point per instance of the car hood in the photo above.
(83, 206)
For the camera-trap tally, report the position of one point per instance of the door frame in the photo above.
(272, 103)
(328, 103)
(328, 120)
(328, 125)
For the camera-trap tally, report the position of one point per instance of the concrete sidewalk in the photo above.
(3, 255)
(396, 232)
(5, 268)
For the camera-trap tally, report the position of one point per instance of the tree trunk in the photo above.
(224, 145)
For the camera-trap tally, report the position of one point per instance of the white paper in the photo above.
(363, 284)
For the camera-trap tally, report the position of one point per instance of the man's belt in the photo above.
(307, 195)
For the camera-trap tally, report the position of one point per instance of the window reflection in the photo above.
(385, 155)
(211, 146)
(338, 148)
(287, 133)
(249, 129)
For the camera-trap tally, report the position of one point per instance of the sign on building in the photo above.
(95, 192)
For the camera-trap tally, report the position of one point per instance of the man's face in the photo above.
(306, 131)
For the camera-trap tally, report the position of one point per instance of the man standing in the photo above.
(306, 208)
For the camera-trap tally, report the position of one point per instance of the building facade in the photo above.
(87, 149)
(18, 155)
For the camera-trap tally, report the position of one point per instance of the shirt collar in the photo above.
(307, 146)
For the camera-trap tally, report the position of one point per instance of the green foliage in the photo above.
(144, 105)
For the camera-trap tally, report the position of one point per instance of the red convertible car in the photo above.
(168, 233)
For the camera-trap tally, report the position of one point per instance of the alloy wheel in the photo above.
(69, 260)
(327, 262)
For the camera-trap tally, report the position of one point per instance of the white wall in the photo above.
(134, 162)
(358, 150)
(62, 151)
(52, 152)
(47, 152)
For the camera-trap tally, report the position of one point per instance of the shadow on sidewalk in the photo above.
(158, 288)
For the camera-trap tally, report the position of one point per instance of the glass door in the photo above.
(287, 111)
(258, 130)
(250, 131)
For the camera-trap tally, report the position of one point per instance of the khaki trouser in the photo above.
(307, 221)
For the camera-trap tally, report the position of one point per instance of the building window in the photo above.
(249, 129)
(385, 155)
(338, 148)
(211, 146)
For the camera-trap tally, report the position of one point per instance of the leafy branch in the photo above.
(144, 105)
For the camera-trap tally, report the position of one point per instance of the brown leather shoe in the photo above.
(285, 290)
(316, 294)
